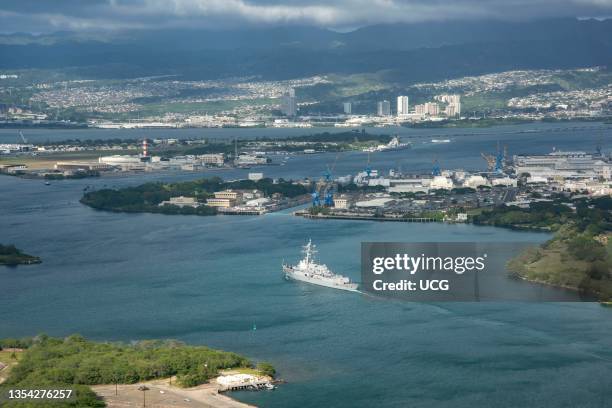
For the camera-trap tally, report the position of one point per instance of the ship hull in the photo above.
(290, 274)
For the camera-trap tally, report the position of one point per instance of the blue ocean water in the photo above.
(209, 280)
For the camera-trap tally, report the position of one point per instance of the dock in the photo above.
(363, 217)
(243, 382)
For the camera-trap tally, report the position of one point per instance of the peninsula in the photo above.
(578, 257)
(89, 368)
(208, 196)
(10, 255)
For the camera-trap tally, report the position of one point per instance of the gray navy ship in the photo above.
(307, 270)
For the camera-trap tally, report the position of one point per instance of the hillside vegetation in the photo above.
(579, 256)
(147, 197)
(75, 363)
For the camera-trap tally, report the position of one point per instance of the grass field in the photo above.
(48, 160)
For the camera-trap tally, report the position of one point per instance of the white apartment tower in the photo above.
(402, 105)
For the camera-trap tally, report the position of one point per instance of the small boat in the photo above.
(47, 183)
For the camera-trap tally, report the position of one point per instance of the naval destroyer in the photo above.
(307, 270)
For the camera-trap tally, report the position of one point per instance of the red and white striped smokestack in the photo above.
(144, 148)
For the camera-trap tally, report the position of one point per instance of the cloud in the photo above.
(35, 15)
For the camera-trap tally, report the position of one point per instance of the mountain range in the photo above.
(431, 51)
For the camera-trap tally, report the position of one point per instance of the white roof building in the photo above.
(475, 181)
(441, 182)
(503, 181)
(374, 203)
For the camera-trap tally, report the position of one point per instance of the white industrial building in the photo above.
(441, 183)
(181, 201)
(125, 163)
(475, 181)
(377, 202)
(563, 164)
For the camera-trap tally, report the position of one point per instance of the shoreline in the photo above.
(467, 123)
(160, 392)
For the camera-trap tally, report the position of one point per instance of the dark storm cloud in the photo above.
(41, 16)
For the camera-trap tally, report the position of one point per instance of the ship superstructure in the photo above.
(394, 144)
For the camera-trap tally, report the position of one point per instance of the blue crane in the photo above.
(315, 197)
(436, 168)
(324, 188)
(368, 169)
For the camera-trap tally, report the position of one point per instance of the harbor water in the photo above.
(212, 280)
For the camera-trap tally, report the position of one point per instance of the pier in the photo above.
(243, 382)
(363, 217)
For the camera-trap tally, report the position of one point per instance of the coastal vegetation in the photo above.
(324, 141)
(353, 188)
(10, 255)
(147, 197)
(579, 256)
(76, 363)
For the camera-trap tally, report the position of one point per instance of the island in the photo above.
(208, 196)
(578, 257)
(90, 368)
(11, 256)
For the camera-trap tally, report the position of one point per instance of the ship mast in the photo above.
(309, 251)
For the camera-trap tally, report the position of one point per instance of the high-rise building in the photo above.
(288, 103)
(428, 108)
(454, 104)
(450, 111)
(384, 108)
(457, 108)
(402, 105)
(431, 108)
(347, 108)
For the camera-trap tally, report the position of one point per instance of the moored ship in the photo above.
(394, 144)
(307, 270)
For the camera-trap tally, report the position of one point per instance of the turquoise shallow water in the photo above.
(208, 280)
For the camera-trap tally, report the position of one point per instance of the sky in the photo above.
(42, 16)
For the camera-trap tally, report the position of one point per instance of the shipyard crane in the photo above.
(490, 161)
(328, 188)
(330, 170)
(316, 201)
(496, 163)
(23, 139)
(500, 159)
(368, 169)
(324, 188)
(436, 168)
